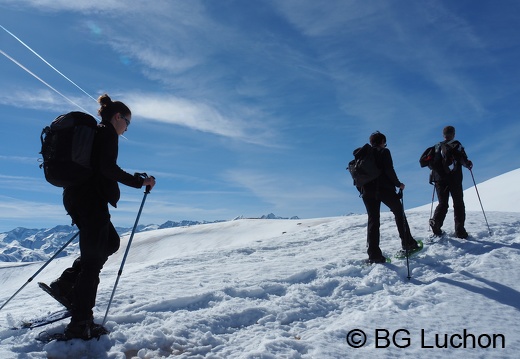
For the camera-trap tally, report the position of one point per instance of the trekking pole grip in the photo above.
(148, 187)
(145, 176)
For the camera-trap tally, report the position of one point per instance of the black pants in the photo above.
(373, 205)
(98, 239)
(444, 189)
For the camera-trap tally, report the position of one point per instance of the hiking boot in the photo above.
(412, 246)
(85, 329)
(435, 228)
(461, 233)
(62, 293)
(381, 259)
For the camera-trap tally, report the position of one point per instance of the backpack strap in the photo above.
(450, 153)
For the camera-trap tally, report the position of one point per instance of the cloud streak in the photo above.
(275, 190)
(199, 116)
(31, 213)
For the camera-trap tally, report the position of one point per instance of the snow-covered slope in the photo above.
(28, 245)
(259, 288)
(497, 194)
(500, 193)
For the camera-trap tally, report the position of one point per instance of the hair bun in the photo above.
(104, 100)
(109, 108)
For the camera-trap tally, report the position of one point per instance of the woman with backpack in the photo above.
(383, 190)
(87, 205)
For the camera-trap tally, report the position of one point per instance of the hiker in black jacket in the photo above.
(383, 190)
(446, 175)
(87, 205)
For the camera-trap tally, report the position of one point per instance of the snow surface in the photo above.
(260, 288)
(500, 194)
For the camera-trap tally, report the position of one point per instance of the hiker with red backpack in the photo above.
(446, 163)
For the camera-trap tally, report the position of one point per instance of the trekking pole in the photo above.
(126, 252)
(404, 232)
(478, 195)
(431, 209)
(39, 270)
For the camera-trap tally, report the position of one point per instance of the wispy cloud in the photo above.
(27, 184)
(64, 5)
(41, 99)
(420, 49)
(18, 159)
(11, 208)
(183, 112)
(332, 17)
(275, 190)
(242, 123)
(199, 116)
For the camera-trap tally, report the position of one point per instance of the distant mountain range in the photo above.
(30, 245)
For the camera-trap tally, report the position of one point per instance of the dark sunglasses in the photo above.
(126, 120)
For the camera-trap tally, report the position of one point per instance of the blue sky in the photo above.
(246, 108)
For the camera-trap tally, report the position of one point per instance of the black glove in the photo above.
(400, 194)
(140, 175)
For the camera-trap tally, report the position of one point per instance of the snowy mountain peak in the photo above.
(28, 245)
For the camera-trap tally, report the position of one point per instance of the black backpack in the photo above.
(363, 167)
(427, 158)
(66, 149)
(440, 157)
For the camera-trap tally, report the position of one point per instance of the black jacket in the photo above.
(451, 168)
(107, 173)
(388, 178)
